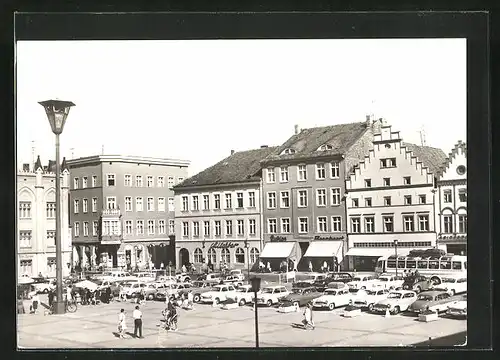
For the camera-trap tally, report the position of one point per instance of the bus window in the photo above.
(391, 264)
(401, 264)
(456, 265)
(422, 264)
(445, 265)
(433, 264)
(411, 264)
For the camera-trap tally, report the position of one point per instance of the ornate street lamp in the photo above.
(396, 251)
(255, 281)
(247, 246)
(57, 112)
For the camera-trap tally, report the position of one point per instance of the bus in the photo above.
(435, 267)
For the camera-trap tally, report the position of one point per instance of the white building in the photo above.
(452, 202)
(391, 196)
(36, 220)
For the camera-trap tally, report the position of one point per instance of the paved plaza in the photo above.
(209, 327)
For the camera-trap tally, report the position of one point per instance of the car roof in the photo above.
(433, 292)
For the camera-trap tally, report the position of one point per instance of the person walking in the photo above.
(137, 315)
(308, 320)
(310, 266)
(20, 305)
(122, 324)
(36, 301)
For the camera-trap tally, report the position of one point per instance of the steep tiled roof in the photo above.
(38, 163)
(451, 155)
(64, 165)
(306, 143)
(433, 158)
(51, 167)
(242, 166)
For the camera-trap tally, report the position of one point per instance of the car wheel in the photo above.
(196, 298)
(331, 306)
(242, 302)
(362, 288)
(151, 297)
(217, 301)
(418, 289)
(370, 307)
(269, 303)
(396, 310)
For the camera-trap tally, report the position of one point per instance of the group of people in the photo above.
(411, 273)
(122, 323)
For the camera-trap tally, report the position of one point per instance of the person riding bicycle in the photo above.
(170, 314)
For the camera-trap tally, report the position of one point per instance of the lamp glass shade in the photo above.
(255, 282)
(57, 111)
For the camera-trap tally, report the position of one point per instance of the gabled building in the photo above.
(391, 195)
(303, 194)
(452, 202)
(218, 213)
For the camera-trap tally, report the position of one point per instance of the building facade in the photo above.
(452, 202)
(303, 194)
(122, 210)
(391, 197)
(218, 213)
(36, 220)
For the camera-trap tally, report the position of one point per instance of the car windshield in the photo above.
(268, 291)
(448, 280)
(383, 279)
(297, 291)
(394, 296)
(330, 292)
(425, 297)
(356, 279)
(370, 292)
(216, 289)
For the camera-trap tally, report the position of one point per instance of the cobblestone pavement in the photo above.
(209, 327)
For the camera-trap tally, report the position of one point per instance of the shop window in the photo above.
(212, 256)
(225, 256)
(240, 256)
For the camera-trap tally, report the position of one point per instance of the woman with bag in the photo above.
(122, 325)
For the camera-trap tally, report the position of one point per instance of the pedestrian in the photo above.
(190, 300)
(310, 266)
(35, 303)
(308, 319)
(269, 267)
(325, 266)
(137, 315)
(122, 325)
(162, 266)
(183, 269)
(20, 305)
(68, 294)
(51, 297)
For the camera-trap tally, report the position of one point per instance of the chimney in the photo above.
(264, 146)
(232, 152)
(296, 129)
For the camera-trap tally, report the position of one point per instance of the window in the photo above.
(151, 204)
(217, 201)
(355, 226)
(138, 204)
(387, 201)
(161, 226)
(229, 201)
(161, 204)
(336, 224)
(239, 200)
(272, 226)
(185, 203)
(457, 265)
(408, 223)
(251, 199)
(185, 228)
(111, 202)
(447, 196)
(217, 228)
(252, 226)
(85, 205)
(150, 182)
(225, 256)
(110, 179)
(322, 227)
(138, 181)
(26, 267)
(422, 199)
(303, 225)
(95, 227)
(285, 225)
(160, 182)
(85, 228)
(94, 180)
(284, 174)
(368, 183)
(170, 182)
(271, 200)
(462, 224)
(387, 181)
(368, 202)
(335, 196)
(25, 238)
(448, 224)
(75, 183)
(76, 228)
(127, 180)
(388, 223)
(289, 151)
(355, 202)
(76, 206)
(25, 210)
(196, 229)
(271, 176)
(407, 200)
(239, 256)
(285, 199)
(51, 210)
(320, 172)
(325, 147)
(206, 202)
(84, 182)
(321, 197)
(254, 255)
(229, 227)
(369, 224)
(128, 203)
(206, 228)
(407, 180)
(388, 163)
(302, 198)
(198, 255)
(423, 222)
(195, 203)
(171, 226)
(212, 256)
(334, 170)
(302, 173)
(140, 227)
(462, 195)
(94, 204)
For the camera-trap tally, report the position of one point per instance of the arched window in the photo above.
(240, 256)
(225, 256)
(212, 256)
(198, 255)
(254, 255)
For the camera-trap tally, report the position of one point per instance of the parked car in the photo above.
(43, 286)
(115, 286)
(453, 285)
(166, 279)
(238, 273)
(179, 288)
(272, 295)
(132, 288)
(200, 287)
(433, 300)
(218, 293)
(343, 277)
(368, 298)
(301, 296)
(183, 277)
(388, 281)
(152, 288)
(396, 302)
(215, 277)
(337, 285)
(332, 298)
(417, 283)
(301, 284)
(362, 282)
(458, 308)
(310, 277)
(231, 279)
(145, 276)
(244, 295)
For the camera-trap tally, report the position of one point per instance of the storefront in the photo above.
(453, 244)
(275, 253)
(321, 253)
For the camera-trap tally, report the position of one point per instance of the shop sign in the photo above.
(328, 237)
(277, 238)
(223, 245)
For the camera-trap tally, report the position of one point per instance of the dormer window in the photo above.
(325, 147)
(288, 151)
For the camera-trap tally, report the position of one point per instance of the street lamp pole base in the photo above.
(59, 307)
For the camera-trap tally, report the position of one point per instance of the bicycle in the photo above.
(69, 306)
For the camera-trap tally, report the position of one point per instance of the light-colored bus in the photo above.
(434, 267)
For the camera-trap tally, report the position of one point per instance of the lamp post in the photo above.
(396, 251)
(57, 112)
(247, 246)
(255, 281)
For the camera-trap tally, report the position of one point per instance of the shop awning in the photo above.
(277, 250)
(376, 252)
(324, 249)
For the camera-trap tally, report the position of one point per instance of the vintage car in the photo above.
(237, 273)
(458, 308)
(233, 279)
(368, 298)
(145, 276)
(214, 277)
(433, 300)
(244, 295)
(388, 281)
(115, 286)
(301, 296)
(343, 277)
(271, 295)
(337, 285)
(332, 298)
(218, 293)
(171, 289)
(396, 302)
(152, 288)
(43, 286)
(362, 282)
(183, 277)
(200, 287)
(417, 283)
(310, 277)
(132, 288)
(301, 284)
(453, 285)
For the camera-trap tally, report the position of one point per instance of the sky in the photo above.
(198, 100)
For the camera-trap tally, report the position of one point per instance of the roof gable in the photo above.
(431, 157)
(457, 157)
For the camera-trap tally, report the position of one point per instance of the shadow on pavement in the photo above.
(458, 339)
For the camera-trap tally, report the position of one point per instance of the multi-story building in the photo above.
(452, 202)
(218, 212)
(122, 209)
(36, 219)
(391, 196)
(303, 194)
